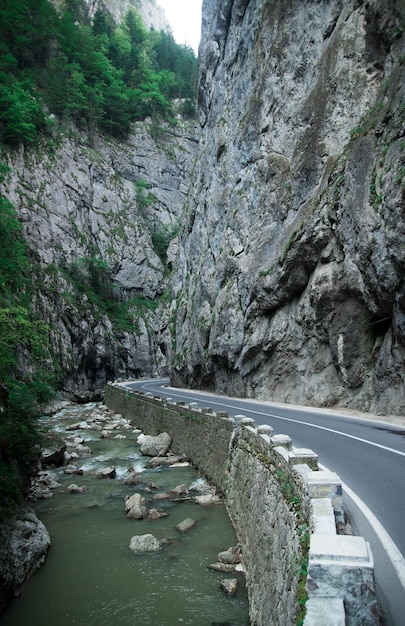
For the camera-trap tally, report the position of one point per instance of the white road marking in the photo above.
(295, 421)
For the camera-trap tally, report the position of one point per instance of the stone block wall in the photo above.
(283, 508)
(198, 435)
(271, 520)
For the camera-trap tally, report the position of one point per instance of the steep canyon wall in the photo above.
(150, 11)
(98, 215)
(91, 212)
(289, 277)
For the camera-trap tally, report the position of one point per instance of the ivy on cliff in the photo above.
(100, 75)
(27, 372)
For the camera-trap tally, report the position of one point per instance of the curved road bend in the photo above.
(367, 454)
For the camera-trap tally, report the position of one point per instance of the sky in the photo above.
(185, 19)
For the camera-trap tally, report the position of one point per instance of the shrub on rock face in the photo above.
(145, 543)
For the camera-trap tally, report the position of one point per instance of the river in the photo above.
(91, 578)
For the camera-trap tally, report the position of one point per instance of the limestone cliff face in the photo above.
(90, 214)
(98, 215)
(23, 549)
(150, 11)
(290, 271)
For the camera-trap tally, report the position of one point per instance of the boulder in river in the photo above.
(73, 469)
(185, 525)
(208, 499)
(179, 490)
(83, 450)
(222, 567)
(24, 543)
(154, 446)
(162, 496)
(79, 426)
(53, 450)
(108, 472)
(156, 514)
(133, 478)
(230, 556)
(145, 543)
(135, 507)
(229, 585)
(157, 461)
(76, 489)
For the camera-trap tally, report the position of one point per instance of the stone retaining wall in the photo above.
(283, 508)
(196, 434)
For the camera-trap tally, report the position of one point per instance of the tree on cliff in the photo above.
(101, 75)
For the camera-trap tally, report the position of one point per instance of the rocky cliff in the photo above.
(99, 215)
(289, 280)
(150, 11)
(93, 217)
(23, 549)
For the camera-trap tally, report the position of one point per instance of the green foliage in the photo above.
(188, 109)
(144, 198)
(99, 74)
(161, 239)
(400, 176)
(180, 61)
(289, 244)
(125, 315)
(27, 373)
(91, 277)
(22, 117)
(161, 235)
(289, 494)
(376, 197)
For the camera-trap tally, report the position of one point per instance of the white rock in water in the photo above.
(207, 499)
(76, 489)
(144, 543)
(185, 525)
(229, 585)
(135, 500)
(155, 446)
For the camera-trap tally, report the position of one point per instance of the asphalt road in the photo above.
(367, 454)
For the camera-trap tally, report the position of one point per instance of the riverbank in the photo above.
(91, 576)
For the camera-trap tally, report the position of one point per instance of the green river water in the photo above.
(91, 578)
